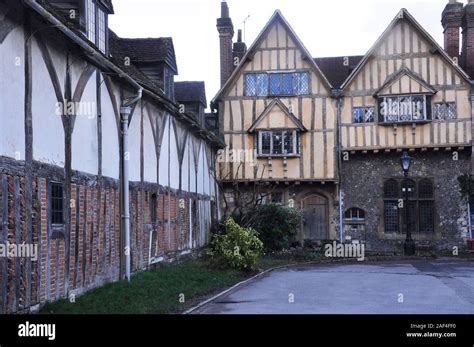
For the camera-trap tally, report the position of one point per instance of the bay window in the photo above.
(405, 108)
(278, 143)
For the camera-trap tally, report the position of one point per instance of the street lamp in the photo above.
(409, 245)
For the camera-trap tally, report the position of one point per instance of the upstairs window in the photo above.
(91, 21)
(404, 108)
(278, 83)
(278, 143)
(96, 28)
(102, 30)
(363, 114)
(445, 111)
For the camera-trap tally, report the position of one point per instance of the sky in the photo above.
(326, 27)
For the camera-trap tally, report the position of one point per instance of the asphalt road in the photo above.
(412, 287)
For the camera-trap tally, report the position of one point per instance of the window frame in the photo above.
(447, 104)
(52, 199)
(356, 220)
(98, 10)
(427, 110)
(265, 77)
(295, 140)
(415, 199)
(365, 108)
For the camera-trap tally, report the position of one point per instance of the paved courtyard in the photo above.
(412, 287)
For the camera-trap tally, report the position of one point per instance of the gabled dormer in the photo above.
(155, 57)
(277, 131)
(405, 97)
(192, 95)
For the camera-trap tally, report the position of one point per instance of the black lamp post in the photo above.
(409, 245)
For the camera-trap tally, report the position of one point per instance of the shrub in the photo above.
(239, 248)
(276, 225)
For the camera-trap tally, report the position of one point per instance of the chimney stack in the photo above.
(240, 48)
(467, 57)
(452, 21)
(226, 34)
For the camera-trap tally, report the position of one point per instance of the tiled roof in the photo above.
(150, 50)
(337, 69)
(190, 92)
(118, 52)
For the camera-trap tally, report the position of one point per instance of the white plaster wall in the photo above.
(206, 176)
(186, 168)
(174, 161)
(134, 146)
(110, 140)
(192, 170)
(150, 163)
(84, 136)
(164, 156)
(48, 133)
(12, 95)
(201, 172)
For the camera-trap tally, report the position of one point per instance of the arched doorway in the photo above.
(315, 218)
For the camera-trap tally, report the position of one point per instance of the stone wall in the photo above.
(363, 179)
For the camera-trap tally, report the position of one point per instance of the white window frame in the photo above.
(102, 30)
(91, 21)
(295, 135)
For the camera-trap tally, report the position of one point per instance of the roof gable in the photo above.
(405, 77)
(404, 15)
(276, 109)
(277, 17)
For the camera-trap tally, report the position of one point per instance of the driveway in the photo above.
(411, 287)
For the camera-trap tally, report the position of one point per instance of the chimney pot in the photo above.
(224, 10)
(239, 35)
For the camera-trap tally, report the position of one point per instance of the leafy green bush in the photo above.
(239, 248)
(276, 225)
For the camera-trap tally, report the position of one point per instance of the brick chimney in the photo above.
(226, 34)
(240, 48)
(467, 55)
(452, 21)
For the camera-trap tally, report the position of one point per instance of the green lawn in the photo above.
(152, 292)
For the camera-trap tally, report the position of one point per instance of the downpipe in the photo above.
(125, 111)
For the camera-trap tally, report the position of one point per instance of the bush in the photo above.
(239, 248)
(276, 225)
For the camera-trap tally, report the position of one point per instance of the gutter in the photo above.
(98, 57)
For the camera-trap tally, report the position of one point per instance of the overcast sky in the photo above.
(326, 27)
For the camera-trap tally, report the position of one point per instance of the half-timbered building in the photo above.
(329, 132)
(101, 167)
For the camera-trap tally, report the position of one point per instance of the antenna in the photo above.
(245, 23)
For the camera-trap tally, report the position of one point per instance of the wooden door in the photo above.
(315, 214)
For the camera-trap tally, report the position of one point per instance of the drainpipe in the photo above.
(338, 96)
(125, 111)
